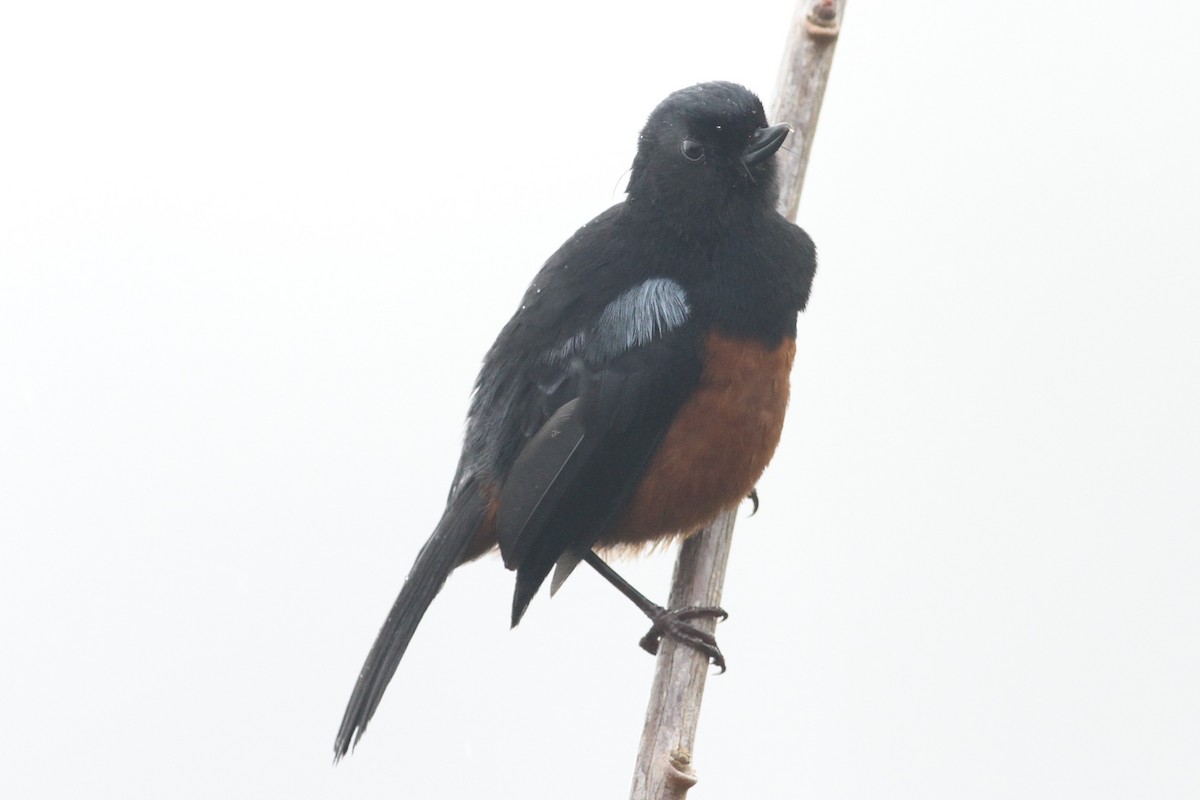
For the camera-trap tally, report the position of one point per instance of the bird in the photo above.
(640, 388)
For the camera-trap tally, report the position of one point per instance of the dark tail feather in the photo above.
(437, 559)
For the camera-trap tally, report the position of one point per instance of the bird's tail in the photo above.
(437, 559)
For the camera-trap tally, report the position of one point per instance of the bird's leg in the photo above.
(666, 623)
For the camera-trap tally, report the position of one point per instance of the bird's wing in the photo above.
(617, 385)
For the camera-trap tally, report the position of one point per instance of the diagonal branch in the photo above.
(664, 770)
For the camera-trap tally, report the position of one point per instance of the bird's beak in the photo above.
(764, 143)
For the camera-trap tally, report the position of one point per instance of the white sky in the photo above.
(251, 254)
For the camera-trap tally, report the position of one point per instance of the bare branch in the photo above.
(664, 765)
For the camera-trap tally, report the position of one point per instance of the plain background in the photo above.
(251, 254)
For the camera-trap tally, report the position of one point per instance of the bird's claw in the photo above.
(674, 624)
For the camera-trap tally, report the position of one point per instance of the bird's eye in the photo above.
(692, 150)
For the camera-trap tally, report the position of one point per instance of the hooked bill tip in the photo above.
(765, 142)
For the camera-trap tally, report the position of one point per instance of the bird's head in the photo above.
(705, 152)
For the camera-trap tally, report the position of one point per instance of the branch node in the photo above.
(822, 21)
(679, 768)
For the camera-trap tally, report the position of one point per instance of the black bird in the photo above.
(640, 388)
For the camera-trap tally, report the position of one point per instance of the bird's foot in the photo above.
(753, 497)
(674, 624)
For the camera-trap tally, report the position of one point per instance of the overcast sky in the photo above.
(251, 254)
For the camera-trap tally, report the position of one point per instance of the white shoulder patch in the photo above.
(640, 315)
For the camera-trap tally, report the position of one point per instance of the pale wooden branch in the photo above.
(665, 755)
(664, 764)
(803, 74)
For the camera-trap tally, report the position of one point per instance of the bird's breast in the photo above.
(718, 444)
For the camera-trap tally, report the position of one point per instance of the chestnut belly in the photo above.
(718, 445)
